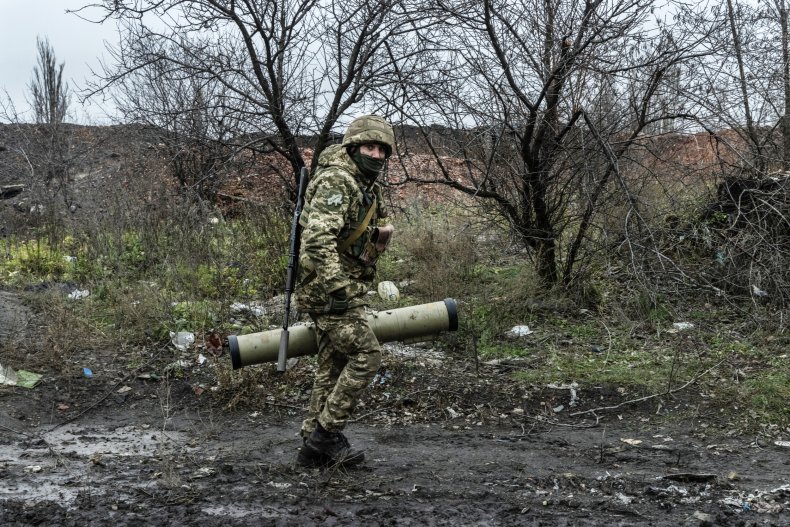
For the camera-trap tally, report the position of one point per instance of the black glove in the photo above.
(338, 302)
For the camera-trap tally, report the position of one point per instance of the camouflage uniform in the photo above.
(337, 201)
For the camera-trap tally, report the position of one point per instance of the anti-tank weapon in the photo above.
(404, 324)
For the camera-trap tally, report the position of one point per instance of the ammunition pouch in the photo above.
(338, 303)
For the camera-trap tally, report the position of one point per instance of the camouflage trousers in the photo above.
(348, 357)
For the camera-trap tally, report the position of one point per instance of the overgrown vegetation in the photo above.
(182, 273)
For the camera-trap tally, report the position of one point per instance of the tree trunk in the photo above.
(782, 8)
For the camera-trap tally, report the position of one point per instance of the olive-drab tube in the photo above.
(412, 324)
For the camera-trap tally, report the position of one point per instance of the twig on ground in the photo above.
(557, 423)
(648, 397)
(20, 432)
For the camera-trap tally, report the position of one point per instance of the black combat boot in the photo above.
(324, 448)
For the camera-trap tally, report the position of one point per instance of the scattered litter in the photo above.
(682, 326)
(182, 340)
(632, 442)
(177, 365)
(784, 490)
(123, 389)
(21, 378)
(203, 472)
(79, 294)
(388, 291)
(453, 413)
(596, 349)
(8, 376)
(519, 331)
(382, 378)
(33, 468)
(87, 372)
(733, 502)
(279, 485)
(759, 293)
(237, 308)
(558, 409)
(782, 443)
(70, 259)
(201, 359)
(572, 387)
(626, 500)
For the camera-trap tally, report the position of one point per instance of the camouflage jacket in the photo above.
(336, 203)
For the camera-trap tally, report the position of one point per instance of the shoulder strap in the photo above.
(348, 242)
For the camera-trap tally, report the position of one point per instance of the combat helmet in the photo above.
(370, 129)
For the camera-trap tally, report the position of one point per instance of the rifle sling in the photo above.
(348, 242)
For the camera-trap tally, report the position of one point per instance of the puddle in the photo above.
(60, 469)
(123, 441)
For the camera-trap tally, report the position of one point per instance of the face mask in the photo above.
(370, 167)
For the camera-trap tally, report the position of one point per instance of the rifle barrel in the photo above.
(293, 265)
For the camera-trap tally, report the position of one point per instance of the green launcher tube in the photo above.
(405, 324)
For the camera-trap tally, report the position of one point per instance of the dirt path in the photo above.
(133, 463)
(445, 447)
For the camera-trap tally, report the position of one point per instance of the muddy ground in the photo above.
(448, 442)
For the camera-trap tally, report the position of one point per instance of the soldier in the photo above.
(340, 244)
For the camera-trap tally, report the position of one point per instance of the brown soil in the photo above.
(447, 444)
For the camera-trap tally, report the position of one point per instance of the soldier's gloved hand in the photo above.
(338, 302)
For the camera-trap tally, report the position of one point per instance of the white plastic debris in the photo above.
(78, 294)
(632, 442)
(7, 375)
(21, 378)
(388, 291)
(204, 472)
(682, 326)
(782, 443)
(519, 331)
(756, 291)
(238, 308)
(182, 340)
(570, 387)
(626, 500)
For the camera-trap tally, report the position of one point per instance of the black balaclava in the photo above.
(370, 167)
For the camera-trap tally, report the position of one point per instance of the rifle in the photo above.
(293, 265)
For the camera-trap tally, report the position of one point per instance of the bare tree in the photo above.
(50, 101)
(553, 96)
(778, 10)
(279, 70)
(50, 93)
